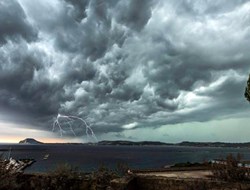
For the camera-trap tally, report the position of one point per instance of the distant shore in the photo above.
(145, 143)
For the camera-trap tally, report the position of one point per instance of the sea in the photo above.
(88, 158)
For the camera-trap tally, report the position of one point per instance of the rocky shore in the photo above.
(189, 176)
(16, 166)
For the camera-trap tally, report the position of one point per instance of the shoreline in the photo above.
(179, 176)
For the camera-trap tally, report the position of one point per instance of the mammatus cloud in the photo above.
(124, 65)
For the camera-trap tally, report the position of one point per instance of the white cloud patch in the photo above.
(130, 125)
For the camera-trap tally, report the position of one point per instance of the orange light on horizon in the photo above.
(9, 139)
(13, 133)
(14, 139)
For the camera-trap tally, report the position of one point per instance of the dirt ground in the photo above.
(202, 174)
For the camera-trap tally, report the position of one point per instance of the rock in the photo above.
(16, 166)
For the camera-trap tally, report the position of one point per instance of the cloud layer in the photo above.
(123, 64)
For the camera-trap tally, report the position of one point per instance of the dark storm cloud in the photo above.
(124, 64)
(134, 13)
(13, 23)
(79, 12)
(19, 81)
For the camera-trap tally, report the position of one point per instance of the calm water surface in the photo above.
(89, 158)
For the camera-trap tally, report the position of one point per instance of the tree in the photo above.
(247, 91)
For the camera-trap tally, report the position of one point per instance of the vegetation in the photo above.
(103, 176)
(63, 177)
(68, 177)
(189, 164)
(231, 169)
(247, 91)
(122, 169)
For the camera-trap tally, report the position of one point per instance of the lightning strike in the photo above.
(62, 121)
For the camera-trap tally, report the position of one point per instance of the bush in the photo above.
(65, 177)
(122, 169)
(103, 176)
(230, 169)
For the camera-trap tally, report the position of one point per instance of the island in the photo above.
(30, 141)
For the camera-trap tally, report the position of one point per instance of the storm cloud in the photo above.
(124, 65)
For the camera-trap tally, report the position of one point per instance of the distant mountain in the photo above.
(184, 143)
(30, 141)
(149, 143)
(214, 144)
(131, 143)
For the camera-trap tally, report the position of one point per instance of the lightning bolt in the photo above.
(69, 120)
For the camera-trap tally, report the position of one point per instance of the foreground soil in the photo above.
(165, 183)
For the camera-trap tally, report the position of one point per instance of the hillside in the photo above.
(29, 141)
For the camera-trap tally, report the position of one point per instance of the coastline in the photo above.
(89, 158)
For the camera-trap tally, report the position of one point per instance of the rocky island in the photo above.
(29, 141)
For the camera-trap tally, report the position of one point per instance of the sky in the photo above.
(161, 70)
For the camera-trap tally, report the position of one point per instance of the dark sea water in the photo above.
(89, 158)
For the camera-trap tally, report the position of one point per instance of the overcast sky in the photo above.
(134, 69)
